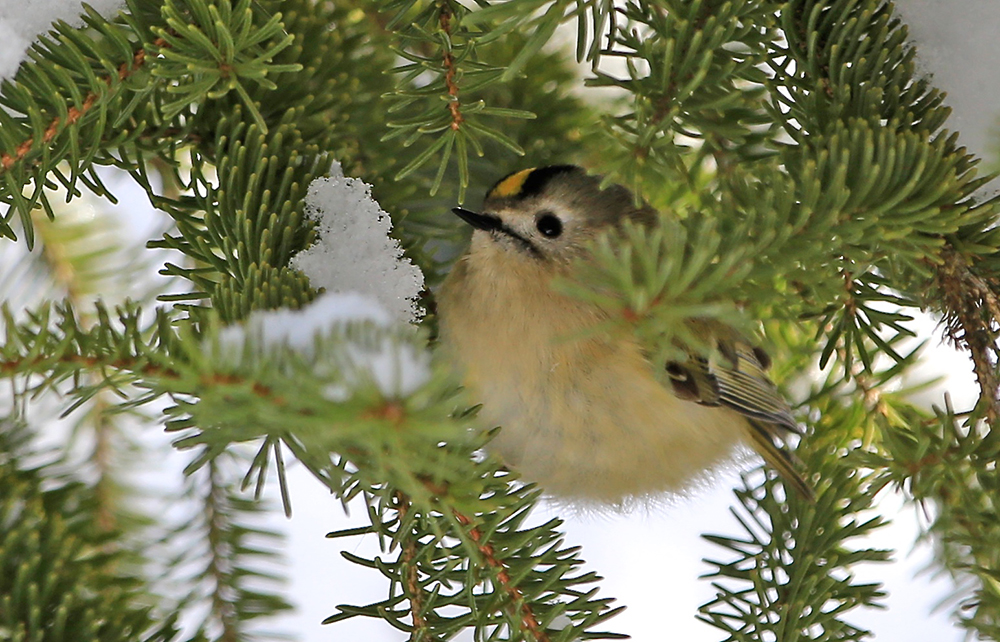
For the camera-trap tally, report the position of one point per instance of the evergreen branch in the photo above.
(73, 114)
(103, 459)
(219, 563)
(227, 548)
(414, 592)
(81, 257)
(790, 574)
(51, 343)
(946, 461)
(115, 113)
(692, 83)
(238, 236)
(450, 70)
(61, 573)
(216, 48)
(863, 161)
(973, 310)
(41, 363)
(869, 205)
(516, 599)
(23, 156)
(504, 582)
(944, 259)
(457, 511)
(439, 41)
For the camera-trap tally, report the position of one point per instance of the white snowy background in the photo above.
(651, 560)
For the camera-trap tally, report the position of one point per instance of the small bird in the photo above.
(585, 413)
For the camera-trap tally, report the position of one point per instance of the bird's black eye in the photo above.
(549, 225)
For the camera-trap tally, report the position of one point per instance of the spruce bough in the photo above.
(811, 182)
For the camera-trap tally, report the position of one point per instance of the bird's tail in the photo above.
(764, 439)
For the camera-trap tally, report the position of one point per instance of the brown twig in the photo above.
(219, 564)
(12, 366)
(414, 592)
(138, 367)
(74, 113)
(449, 64)
(528, 619)
(973, 312)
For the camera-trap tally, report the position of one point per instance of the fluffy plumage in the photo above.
(585, 413)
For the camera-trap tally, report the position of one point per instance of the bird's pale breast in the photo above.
(581, 411)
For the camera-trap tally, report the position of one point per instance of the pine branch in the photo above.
(518, 584)
(223, 561)
(73, 114)
(454, 105)
(440, 43)
(60, 571)
(223, 609)
(973, 315)
(38, 126)
(83, 257)
(518, 607)
(803, 173)
(700, 78)
(790, 572)
(791, 577)
(365, 441)
(415, 593)
(52, 344)
(944, 461)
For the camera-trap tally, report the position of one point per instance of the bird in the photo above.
(585, 411)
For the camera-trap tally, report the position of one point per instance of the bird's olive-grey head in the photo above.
(548, 213)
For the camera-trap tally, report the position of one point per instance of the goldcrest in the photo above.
(584, 413)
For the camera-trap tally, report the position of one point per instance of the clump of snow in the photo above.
(393, 364)
(354, 251)
(21, 21)
(956, 44)
(297, 328)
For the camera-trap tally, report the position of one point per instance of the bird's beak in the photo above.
(485, 222)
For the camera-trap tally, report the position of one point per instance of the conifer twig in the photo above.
(73, 114)
(31, 363)
(528, 618)
(449, 64)
(222, 604)
(414, 592)
(966, 298)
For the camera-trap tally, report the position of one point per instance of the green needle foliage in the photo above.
(789, 574)
(62, 575)
(805, 178)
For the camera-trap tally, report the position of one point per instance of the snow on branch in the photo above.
(21, 21)
(354, 252)
(396, 366)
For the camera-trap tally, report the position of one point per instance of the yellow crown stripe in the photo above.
(511, 185)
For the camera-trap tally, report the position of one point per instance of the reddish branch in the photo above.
(528, 619)
(414, 592)
(32, 364)
(74, 114)
(389, 412)
(136, 366)
(449, 66)
(974, 312)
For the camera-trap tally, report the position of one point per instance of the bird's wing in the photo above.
(744, 386)
(735, 377)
